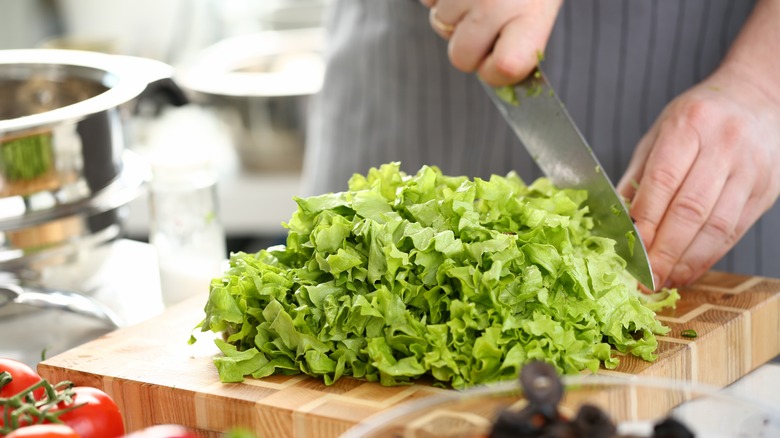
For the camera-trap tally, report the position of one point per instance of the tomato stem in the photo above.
(23, 409)
(5, 378)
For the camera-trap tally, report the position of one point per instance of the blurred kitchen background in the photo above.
(248, 67)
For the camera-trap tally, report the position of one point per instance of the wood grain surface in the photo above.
(156, 378)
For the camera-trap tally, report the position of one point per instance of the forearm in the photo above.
(754, 54)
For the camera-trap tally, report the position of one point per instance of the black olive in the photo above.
(516, 424)
(671, 428)
(592, 422)
(543, 390)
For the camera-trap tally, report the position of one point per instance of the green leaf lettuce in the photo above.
(404, 276)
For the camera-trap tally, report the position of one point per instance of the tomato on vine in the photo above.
(21, 377)
(96, 414)
(29, 403)
(16, 378)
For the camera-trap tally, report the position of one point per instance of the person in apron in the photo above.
(689, 89)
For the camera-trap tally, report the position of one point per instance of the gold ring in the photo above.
(440, 25)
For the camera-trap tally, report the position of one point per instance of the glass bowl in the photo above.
(635, 405)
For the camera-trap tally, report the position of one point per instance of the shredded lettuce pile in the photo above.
(404, 276)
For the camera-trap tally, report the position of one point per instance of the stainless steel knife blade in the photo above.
(548, 133)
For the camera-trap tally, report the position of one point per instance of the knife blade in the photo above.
(545, 128)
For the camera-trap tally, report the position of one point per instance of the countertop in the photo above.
(122, 275)
(763, 383)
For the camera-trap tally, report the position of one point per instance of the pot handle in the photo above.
(72, 302)
(160, 90)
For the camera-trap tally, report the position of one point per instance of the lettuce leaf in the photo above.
(404, 276)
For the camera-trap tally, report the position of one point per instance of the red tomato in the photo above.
(23, 378)
(44, 431)
(164, 431)
(97, 417)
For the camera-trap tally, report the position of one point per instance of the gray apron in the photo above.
(390, 93)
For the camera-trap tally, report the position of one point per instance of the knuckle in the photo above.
(733, 132)
(647, 223)
(690, 208)
(697, 111)
(684, 131)
(664, 178)
(720, 228)
(665, 257)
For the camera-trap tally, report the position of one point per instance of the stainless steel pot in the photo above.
(64, 170)
(260, 85)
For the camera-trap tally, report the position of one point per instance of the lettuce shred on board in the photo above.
(404, 276)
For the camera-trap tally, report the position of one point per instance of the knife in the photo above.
(543, 125)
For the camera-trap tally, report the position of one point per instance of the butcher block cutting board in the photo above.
(156, 378)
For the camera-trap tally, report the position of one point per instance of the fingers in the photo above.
(694, 199)
(498, 38)
(707, 171)
(672, 156)
(748, 194)
(680, 186)
(728, 221)
(452, 11)
(515, 53)
(475, 36)
(689, 211)
(445, 16)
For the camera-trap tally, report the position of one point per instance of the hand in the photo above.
(706, 171)
(500, 39)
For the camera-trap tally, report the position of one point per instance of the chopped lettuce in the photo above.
(404, 276)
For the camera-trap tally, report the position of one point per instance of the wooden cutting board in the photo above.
(156, 378)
